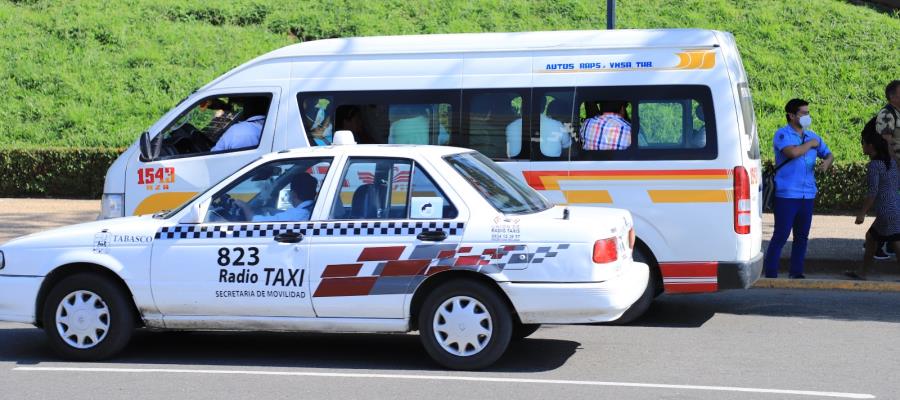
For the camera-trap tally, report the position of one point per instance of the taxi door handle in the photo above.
(289, 237)
(432, 236)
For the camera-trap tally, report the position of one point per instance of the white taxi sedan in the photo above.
(345, 238)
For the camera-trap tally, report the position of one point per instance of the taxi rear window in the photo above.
(505, 193)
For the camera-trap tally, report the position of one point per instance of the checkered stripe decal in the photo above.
(394, 273)
(307, 229)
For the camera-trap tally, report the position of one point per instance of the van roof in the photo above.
(509, 41)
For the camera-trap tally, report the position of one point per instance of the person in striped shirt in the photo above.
(609, 130)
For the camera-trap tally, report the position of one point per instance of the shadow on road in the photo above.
(692, 311)
(298, 350)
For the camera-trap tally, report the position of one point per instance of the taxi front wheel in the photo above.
(87, 318)
(465, 325)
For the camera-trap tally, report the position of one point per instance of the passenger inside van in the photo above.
(411, 124)
(610, 130)
(555, 133)
(489, 116)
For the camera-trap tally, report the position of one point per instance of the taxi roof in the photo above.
(369, 150)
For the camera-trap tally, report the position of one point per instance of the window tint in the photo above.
(284, 191)
(400, 117)
(493, 125)
(215, 124)
(503, 191)
(553, 131)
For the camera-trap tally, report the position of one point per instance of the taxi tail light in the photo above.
(605, 251)
(741, 201)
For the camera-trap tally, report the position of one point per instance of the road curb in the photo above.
(828, 284)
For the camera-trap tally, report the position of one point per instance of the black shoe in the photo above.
(880, 254)
(801, 276)
(888, 251)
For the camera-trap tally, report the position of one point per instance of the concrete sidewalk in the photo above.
(835, 242)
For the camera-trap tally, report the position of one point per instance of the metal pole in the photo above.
(610, 14)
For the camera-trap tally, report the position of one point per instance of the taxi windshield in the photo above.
(506, 193)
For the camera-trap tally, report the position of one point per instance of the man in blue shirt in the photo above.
(303, 198)
(244, 134)
(796, 149)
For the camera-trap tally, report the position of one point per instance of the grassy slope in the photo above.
(96, 73)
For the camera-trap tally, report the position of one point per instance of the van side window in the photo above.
(398, 117)
(215, 124)
(493, 125)
(659, 122)
(671, 125)
(553, 131)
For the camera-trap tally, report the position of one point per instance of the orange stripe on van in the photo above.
(587, 196)
(162, 201)
(549, 180)
(689, 196)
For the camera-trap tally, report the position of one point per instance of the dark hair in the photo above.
(793, 106)
(611, 106)
(304, 186)
(891, 88)
(882, 152)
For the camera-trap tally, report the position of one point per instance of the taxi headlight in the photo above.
(112, 205)
(2, 260)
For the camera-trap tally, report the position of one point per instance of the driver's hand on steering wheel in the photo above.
(246, 209)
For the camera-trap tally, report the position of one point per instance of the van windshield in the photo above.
(505, 193)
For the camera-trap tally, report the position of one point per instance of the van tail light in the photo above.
(631, 238)
(741, 201)
(605, 251)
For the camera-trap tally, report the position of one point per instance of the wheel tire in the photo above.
(522, 331)
(105, 309)
(643, 303)
(496, 314)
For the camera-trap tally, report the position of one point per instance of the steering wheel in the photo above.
(227, 209)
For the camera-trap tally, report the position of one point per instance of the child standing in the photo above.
(882, 176)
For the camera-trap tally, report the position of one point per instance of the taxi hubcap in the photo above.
(82, 319)
(462, 326)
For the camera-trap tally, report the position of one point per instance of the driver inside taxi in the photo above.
(303, 197)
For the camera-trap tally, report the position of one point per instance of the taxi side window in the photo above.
(282, 191)
(213, 125)
(386, 188)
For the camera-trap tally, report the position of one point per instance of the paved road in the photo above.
(840, 343)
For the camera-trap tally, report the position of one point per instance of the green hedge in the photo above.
(79, 173)
(840, 189)
(55, 172)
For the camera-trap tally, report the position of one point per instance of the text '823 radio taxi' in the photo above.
(344, 238)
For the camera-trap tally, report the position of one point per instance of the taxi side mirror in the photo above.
(195, 213)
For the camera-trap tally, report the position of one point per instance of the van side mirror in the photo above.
(148, 150)
(195, 213)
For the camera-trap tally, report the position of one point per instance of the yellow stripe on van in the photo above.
(162, 201)
(587, 196)
(704, 59)
(689, 196)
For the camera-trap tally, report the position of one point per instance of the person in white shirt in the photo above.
(555, 135)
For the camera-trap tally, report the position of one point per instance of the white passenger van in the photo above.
(686, 165)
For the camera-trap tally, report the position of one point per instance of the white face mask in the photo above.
(805, 121)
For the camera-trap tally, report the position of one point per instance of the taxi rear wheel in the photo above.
(87, 318)
(465, 325)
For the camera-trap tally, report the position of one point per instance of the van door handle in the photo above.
(432, 236)
(289, 237)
